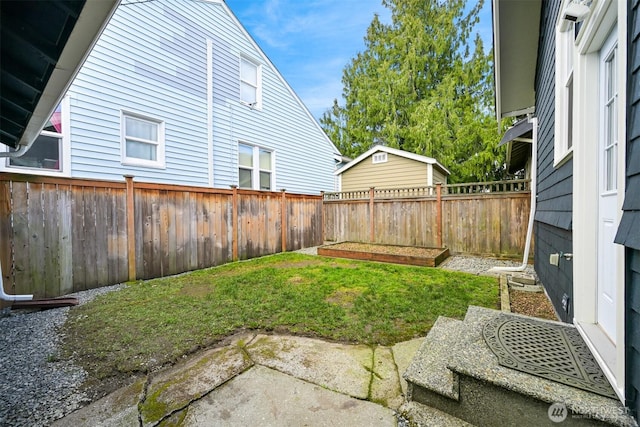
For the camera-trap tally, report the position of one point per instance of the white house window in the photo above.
(250, 83)
(46, 150)
(255, 167)
(142, 141)
(50, 153)
(565, 50)
(379, 158)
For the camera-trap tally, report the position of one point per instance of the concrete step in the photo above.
(483, 393)
(428, 369)
(420, 415)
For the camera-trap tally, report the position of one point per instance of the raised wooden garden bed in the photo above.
(411, 255)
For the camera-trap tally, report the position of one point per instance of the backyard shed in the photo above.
(385, 167)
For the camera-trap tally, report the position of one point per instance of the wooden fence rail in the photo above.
(60, 235)
(485, 219)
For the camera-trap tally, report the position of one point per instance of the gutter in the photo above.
(532, 211)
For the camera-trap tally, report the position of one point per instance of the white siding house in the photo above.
(178, 92)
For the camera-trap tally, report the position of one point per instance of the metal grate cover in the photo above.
(554, 352)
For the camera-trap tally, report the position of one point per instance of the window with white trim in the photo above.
(250, 83)
(142, 140)
(46, 154)
(255, 167)
(565, 50)
(379, 158)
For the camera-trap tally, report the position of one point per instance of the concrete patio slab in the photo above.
(340, 367)
(175, 388)
(265, 397)
(403, 354)
(119, 408)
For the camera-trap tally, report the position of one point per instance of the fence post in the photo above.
(372, 229)
(322, 233)
(234, 223)
(283, 218)
(131, 227)
(439, 213)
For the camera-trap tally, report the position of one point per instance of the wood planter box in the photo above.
(411, 255)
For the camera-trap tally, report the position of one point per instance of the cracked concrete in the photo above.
(265, 380)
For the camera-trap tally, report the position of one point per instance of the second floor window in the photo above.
(250, 83)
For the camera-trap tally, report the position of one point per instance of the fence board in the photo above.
(51, 259)
(6, 239)
(61, 235)
(482, 223)
(65, 242)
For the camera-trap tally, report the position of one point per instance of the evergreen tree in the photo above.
(420, 85)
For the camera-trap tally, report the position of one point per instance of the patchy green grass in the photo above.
(154, 322)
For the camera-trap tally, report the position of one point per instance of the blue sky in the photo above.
(310, 42)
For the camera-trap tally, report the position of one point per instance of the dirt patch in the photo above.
(344, 297)
(535, 304)
(388, 249)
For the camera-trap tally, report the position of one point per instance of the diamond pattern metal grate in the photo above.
(554, 352)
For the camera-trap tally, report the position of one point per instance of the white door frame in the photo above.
(592, 36)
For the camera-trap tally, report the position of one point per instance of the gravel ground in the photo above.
(36, 388)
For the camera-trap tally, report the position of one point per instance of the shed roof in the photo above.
(394, 151)
(43, 45)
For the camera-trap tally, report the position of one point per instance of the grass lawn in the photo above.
(150, 323)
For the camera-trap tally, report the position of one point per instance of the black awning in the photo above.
(518, 138)
(522, 129)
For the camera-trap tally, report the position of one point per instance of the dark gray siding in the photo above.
(553, 213)
(629, 231)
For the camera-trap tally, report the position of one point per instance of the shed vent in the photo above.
(380, 158)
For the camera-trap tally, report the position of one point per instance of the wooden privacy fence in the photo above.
(478, 218)
(60, 235)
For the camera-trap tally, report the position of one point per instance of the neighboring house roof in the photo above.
(394, 151)
(44, 44)
(516, 26)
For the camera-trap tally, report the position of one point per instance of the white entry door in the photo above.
(608, 188)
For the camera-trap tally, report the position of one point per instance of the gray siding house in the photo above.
(573, 69)
(178, 92)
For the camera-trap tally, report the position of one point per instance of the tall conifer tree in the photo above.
(423, 85)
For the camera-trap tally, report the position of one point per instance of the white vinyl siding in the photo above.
(163, 71)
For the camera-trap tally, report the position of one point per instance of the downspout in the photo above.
(6, 297)
(532, 211)
(18, 153)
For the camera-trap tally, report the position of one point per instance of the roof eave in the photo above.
(84, 35)
(516, 27)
